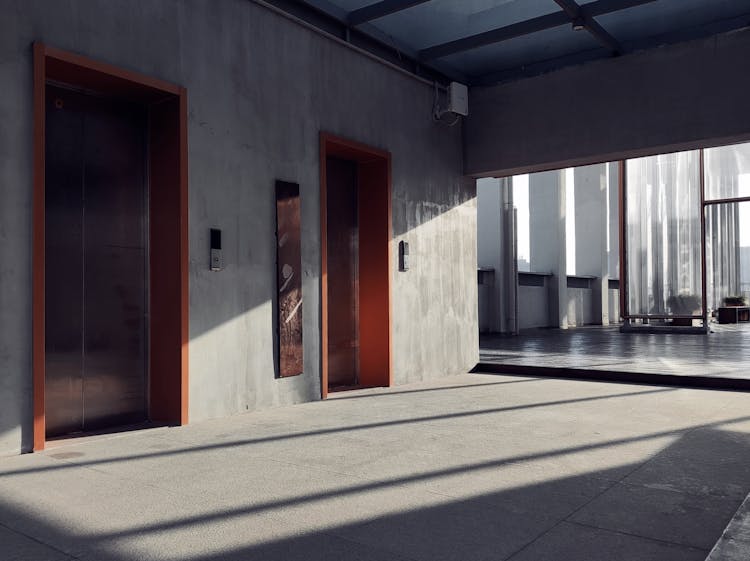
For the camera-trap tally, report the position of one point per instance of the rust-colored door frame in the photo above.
(168, 236)
(374, 188)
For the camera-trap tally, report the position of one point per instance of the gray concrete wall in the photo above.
(490, 242)
(591, 220)
(674, 97)
(260, 89)
(547, 213)
(614, 305)
(581, 307)
(533, 306)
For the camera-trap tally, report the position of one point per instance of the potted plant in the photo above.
(731, 301)
(735, 309)
(684, 304)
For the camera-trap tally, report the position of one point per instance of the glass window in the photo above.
(664, 235)
(727, 170)
(727, 252)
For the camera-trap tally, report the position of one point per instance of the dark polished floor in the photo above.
(723, 353)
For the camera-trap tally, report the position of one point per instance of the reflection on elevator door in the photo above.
(95, 264)
(343, 272)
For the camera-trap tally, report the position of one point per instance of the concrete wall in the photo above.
(533, 306)
(490, 227)
(582, 306)
(593, 202)
(548, 239)
(674, 97)
(614, 305)
(260, 88)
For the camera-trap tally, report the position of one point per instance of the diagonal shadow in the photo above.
(390, 482)
(322, 432)
(562, 519)
(344, 396)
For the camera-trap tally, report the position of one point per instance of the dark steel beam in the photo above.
(534, 25)
(380, 9)
(494, 36)
(534, 68)
(365, 38)
(538, 67)
(579, 17)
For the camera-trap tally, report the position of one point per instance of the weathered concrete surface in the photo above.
(734, 544)
(472, 467)
(675, 97)
(260, 89)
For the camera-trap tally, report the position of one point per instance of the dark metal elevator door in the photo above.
(95, 263)
(343, 272)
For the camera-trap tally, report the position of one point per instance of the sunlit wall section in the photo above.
(663, 205)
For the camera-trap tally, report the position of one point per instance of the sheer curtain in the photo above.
(722, 252)
(727, 170)
(663, 235)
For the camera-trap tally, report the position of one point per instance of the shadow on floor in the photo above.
(672, 507)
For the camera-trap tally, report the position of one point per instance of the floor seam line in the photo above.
(559, 522)
(633, 535)
(39, 541)
(369, 546)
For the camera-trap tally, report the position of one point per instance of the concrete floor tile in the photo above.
(429, 471)
(517, 489)
(454, 531)
(681, 518)
(706, 461)
(18, 547)
(579, 543)
(74, 508)
(316, 547)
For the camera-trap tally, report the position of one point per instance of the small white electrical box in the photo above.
(458, 99)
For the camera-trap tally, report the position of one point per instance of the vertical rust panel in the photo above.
(39, 247)
(289, 278)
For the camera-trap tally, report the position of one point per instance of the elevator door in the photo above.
(343, 272)
(95, 263)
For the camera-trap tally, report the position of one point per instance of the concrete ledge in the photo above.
(704, 382)
(734, 543)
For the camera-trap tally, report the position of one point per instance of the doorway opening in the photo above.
(355, 207)
(110, 262)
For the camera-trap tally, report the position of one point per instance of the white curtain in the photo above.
(663, 235)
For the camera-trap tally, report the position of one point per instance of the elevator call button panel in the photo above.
(216, 258)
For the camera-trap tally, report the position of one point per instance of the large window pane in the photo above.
(727, 252)
(664, 235)
(727, 172)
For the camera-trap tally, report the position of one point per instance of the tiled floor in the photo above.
(472, 467)
(723, 353)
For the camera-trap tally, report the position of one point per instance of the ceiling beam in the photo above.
(534, 25)
(678, 36)
(379, 10)
(579, 17)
